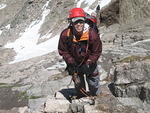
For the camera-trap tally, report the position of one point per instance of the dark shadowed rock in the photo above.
(10, 99)
(110, 15)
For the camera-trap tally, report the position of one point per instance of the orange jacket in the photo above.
(88, 47)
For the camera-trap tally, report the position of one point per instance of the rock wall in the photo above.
(125, 12)
(110, 14)
(131, 78)
(132, 11)
(126, 48)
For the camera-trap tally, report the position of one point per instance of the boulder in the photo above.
(56, 105)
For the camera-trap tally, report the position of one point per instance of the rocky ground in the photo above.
(39, 85)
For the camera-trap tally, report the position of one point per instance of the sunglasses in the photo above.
(79, 21)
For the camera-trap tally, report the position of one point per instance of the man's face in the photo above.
(79, 25)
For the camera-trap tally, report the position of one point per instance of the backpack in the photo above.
(91, 21)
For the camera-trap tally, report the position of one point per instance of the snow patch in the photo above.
(48, 35)
(89, 3)
(103, 3)
(37, 50)
(45, 6)
(26, 46)
(8, 26)
(1, 32)
(89, 11)
(2, 6)
(58, 65)
(138, 42)
(79, 3)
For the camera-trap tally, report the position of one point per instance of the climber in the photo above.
(81, 48)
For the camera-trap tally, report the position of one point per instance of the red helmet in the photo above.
(76, 12)
(93, 19)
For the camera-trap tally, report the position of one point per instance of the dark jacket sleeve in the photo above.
(63, 49)
(95, 46)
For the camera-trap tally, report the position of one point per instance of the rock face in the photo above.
(110, 14)
(132, 11)
(126, 51)
(125, 12)
(132, 79)
(6, 55)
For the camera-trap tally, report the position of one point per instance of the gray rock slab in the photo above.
(56, 105)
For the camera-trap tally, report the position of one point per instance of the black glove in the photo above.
(85, 69)
(71, 68)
